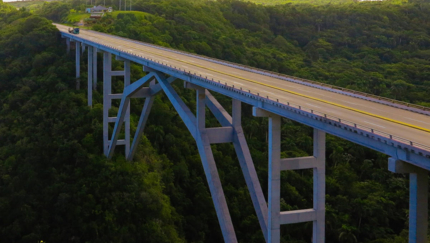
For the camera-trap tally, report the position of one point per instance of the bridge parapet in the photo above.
(269, 214)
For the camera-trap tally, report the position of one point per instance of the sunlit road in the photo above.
(397, 122)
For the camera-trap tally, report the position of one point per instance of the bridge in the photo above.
(397, 129)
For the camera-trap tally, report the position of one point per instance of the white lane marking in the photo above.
(374, 124)
(313, 105)
(272, 93)
(417, 120)
(351, 103)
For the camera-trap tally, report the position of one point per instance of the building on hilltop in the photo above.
(98, 9)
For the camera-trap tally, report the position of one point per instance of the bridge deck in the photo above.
(391, 120)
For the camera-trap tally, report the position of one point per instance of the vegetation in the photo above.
(30, 5)
(56, 186)
(322, 2)
(76, 17)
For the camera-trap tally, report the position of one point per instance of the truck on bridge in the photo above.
(74, 31)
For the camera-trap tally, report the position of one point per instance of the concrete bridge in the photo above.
(397, 129)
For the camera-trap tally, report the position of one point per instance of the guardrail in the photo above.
(412, 146)
(328, 87)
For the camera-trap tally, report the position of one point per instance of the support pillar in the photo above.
(243, 155)
(276, 165)
(78, 65)
(68, 45)
(94, 67)
(274, 191)
(197, 128)
(90, 77)
(418, 198)
(248, 168)
(141, 124)
(211, 171)
(319, 186)
(127, 114)
(107, 102)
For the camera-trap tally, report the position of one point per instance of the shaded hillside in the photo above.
(55, 184)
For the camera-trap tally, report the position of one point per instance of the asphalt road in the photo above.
(397, 122)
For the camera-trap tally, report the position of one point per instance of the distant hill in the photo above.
(31, 5)
(317, 2)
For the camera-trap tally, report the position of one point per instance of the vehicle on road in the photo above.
(74, 31)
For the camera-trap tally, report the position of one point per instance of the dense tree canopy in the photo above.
(56, 186)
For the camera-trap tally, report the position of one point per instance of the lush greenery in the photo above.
(374, 47)
(320, 2)
(56, 186)
(30, 5)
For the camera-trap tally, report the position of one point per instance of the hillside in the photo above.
(56, 186)
(30, 5)
(326, 2)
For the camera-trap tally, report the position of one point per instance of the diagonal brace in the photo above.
(203, 144)
(243, 154)
(184, 112)
(219, 112)
(128, 91)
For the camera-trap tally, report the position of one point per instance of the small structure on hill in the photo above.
(98, 9)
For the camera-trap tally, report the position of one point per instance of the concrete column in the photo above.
(418, 206)
(90, 77)
(94, 68)
(418, 198)
(68, 45)
(127, 114)
(248, 169)
(107, 90)
(196, 126)
(78, 65)
(201, 106)
(274, 191)
(318, 235)
(236, 112)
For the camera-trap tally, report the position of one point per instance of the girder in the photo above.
(405, 158)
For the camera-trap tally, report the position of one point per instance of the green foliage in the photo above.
(55, 184)
(76, 17)
(55, 11)
(320, 2)
(30, 5)
(53, 142)
(355, 46)
(365, 202)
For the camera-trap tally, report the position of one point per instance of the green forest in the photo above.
(57, 186)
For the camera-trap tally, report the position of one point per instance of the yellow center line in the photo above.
(284, 90)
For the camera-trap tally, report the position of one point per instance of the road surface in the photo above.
(395, 121)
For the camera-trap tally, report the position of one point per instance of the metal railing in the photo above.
(333, 120)
(357, 94)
